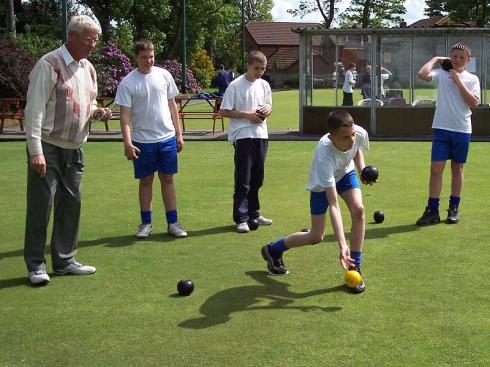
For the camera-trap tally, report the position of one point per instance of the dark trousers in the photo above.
(347, 99)
(60, 187)
(249, 177)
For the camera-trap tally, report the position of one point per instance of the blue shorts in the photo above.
(318, 200)
(160, 156)
(450, 145)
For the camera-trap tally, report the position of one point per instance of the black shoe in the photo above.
(429, 217)
(452, 215)
(274, 263)
(361, 287)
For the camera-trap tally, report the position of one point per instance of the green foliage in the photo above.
(122, 36)
(43, 17)
(477, 11)
(374, 13)
(107, 12)
(202, 66)
(36, 44)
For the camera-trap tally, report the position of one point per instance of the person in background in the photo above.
(349, 83)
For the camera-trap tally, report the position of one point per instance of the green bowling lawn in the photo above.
(426, 302)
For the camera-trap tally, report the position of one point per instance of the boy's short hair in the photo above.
(462, 46)
(254, 56)
(143, 45)
(351, 65)
(337, 119)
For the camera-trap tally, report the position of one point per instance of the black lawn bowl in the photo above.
(369, 174)
(185, 287)
(379, 216)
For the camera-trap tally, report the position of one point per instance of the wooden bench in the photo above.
(211, 112)
(12, 109)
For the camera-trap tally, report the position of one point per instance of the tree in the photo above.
(258, 10)
(10, 18)
(107, 11)
(434, 8)
(326, 8)
(374, 13)
(42, 17)
(477, 11)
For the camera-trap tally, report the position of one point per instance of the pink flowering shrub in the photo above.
(112, 66)
(175, 68)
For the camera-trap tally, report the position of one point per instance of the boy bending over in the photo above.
(331, 173)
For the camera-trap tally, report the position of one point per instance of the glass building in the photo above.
(389, 98)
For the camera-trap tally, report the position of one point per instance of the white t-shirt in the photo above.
(243, 95)
(329, 164)
(452, 112)
(147, 96)
(349, 76)
(382, 79)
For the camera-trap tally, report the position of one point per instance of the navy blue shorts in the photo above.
(450, 145)
(318, 200)
(160, 156)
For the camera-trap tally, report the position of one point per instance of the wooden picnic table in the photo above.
(12, 109)
(209, 111)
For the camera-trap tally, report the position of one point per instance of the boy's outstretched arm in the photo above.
(427, 68)
(338, 227)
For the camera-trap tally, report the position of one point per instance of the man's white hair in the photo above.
(80, 22)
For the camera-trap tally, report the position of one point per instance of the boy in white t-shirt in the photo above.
(458, 91)
(146, 100)
(247, 103)
(331, 173)
(349, 83)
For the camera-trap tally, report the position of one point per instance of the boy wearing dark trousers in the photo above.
(247, 103)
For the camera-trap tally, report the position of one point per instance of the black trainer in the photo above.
(274, 263)
(361, 287)
(429, 217)
(452, 215)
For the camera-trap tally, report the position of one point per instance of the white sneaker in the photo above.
(76, 269)
(38, 277)
(176, 230)
(242, 227)
(263, 221)
(144, 230)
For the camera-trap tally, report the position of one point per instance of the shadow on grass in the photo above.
(218, 308)
(16, 282)
(129, 240)
(212, 230)
(373, 232)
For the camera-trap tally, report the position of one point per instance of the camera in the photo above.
(447, 65)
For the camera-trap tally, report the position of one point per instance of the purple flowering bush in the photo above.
(15, 66)
(112, 66)
(175, 69)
